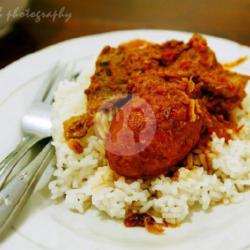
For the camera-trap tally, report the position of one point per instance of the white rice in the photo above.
(86, 180)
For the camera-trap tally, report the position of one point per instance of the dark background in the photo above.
(224, 18)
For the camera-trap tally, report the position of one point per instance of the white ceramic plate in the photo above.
(44, 225)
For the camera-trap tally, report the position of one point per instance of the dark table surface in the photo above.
(224, 18)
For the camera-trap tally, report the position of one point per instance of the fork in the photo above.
(36, 122)
(36, 127)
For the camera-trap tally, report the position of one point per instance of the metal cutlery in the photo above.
(36, 129)
(36, 122)
(16, 193)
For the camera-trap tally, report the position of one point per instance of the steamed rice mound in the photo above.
(86, 180)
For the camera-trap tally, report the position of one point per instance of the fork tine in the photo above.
(66, 72)
(48, 82)
(59, 72)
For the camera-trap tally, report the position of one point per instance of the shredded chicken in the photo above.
(190, 95)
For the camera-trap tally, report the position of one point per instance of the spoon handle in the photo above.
(7, 165)
(15, 194)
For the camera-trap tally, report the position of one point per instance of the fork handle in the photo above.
(8, 164)
(16, 193)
